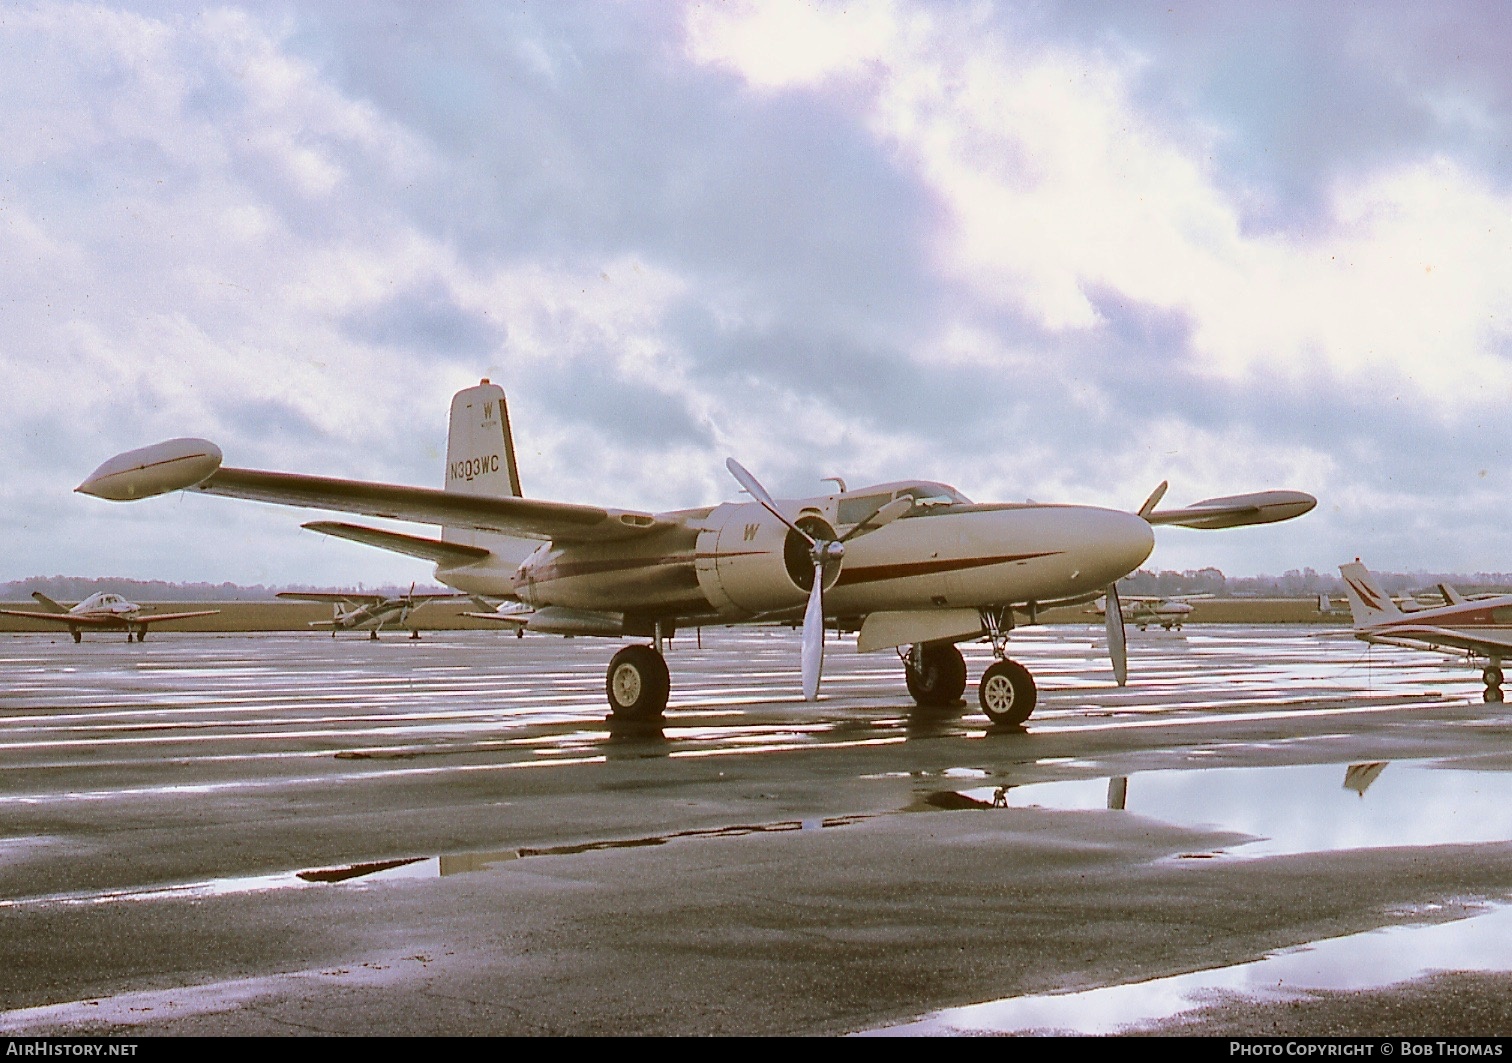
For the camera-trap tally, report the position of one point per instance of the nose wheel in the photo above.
(1007, 693)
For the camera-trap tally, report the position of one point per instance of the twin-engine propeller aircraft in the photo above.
(102, 612)
(1477, 627)
(351, 611)
(913, 564)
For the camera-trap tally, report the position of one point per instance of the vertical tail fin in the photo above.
(1367, 602)
(1451, 595)
(480, 460)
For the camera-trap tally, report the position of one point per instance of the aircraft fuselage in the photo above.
(736, 561)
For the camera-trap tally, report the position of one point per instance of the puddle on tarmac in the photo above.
(1370, 960)
(414, 867)
(1293, 809)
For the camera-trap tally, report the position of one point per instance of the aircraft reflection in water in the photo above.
(1478, 627)
(368, 612)
(913, 565)
(101, 612)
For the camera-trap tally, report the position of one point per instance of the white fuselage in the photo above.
(737, 562)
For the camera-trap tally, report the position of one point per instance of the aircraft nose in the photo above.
(1113, 544)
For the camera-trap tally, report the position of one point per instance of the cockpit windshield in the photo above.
(928, 496)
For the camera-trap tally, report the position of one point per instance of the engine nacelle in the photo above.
(750, 562)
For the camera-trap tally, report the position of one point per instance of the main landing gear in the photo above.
(936, 676)
(638, 683)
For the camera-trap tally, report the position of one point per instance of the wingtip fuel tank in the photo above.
(155, 470)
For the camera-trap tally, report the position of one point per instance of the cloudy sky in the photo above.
(1058, 251)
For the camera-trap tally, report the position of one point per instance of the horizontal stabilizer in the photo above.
(1235, 511)
(446, 554)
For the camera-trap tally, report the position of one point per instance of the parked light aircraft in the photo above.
(351, 611)
(1170, 611)
(1478, 627)
(102, 612)
(914, 565)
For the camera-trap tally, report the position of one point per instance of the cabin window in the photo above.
(1502, 615)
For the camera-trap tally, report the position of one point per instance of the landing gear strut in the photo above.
(1006, 693)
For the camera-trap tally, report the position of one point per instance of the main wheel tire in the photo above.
(1492, 695)
(936, 674)
(637, 683)
(1007, 693)
(1492, 675)
(78, 636)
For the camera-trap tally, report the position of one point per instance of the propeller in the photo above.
(1116, 645)
(823, 553)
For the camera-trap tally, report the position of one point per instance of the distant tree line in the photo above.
(77, 588)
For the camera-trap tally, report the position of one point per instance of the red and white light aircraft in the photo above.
(910, 564)
(1479, 627)
(102, 612)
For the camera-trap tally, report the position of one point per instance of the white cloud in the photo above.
(1056, 188)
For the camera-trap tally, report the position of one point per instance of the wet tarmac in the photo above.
(288, 833)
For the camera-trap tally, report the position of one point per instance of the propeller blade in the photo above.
(759, 493)
(813, 636)
(1116, 645)
(1154, 499)
(884, 516)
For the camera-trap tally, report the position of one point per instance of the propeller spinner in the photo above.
(825, 554)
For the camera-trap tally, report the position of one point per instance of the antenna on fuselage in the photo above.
(837, 481)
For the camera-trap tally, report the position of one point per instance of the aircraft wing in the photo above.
(153, 618)
(81, 620)
(181, 464)
(1235, 511)
(523, 517)
(334, 598)
(435, 550)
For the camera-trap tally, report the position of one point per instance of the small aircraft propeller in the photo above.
(823, 553)
(1117, 649)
